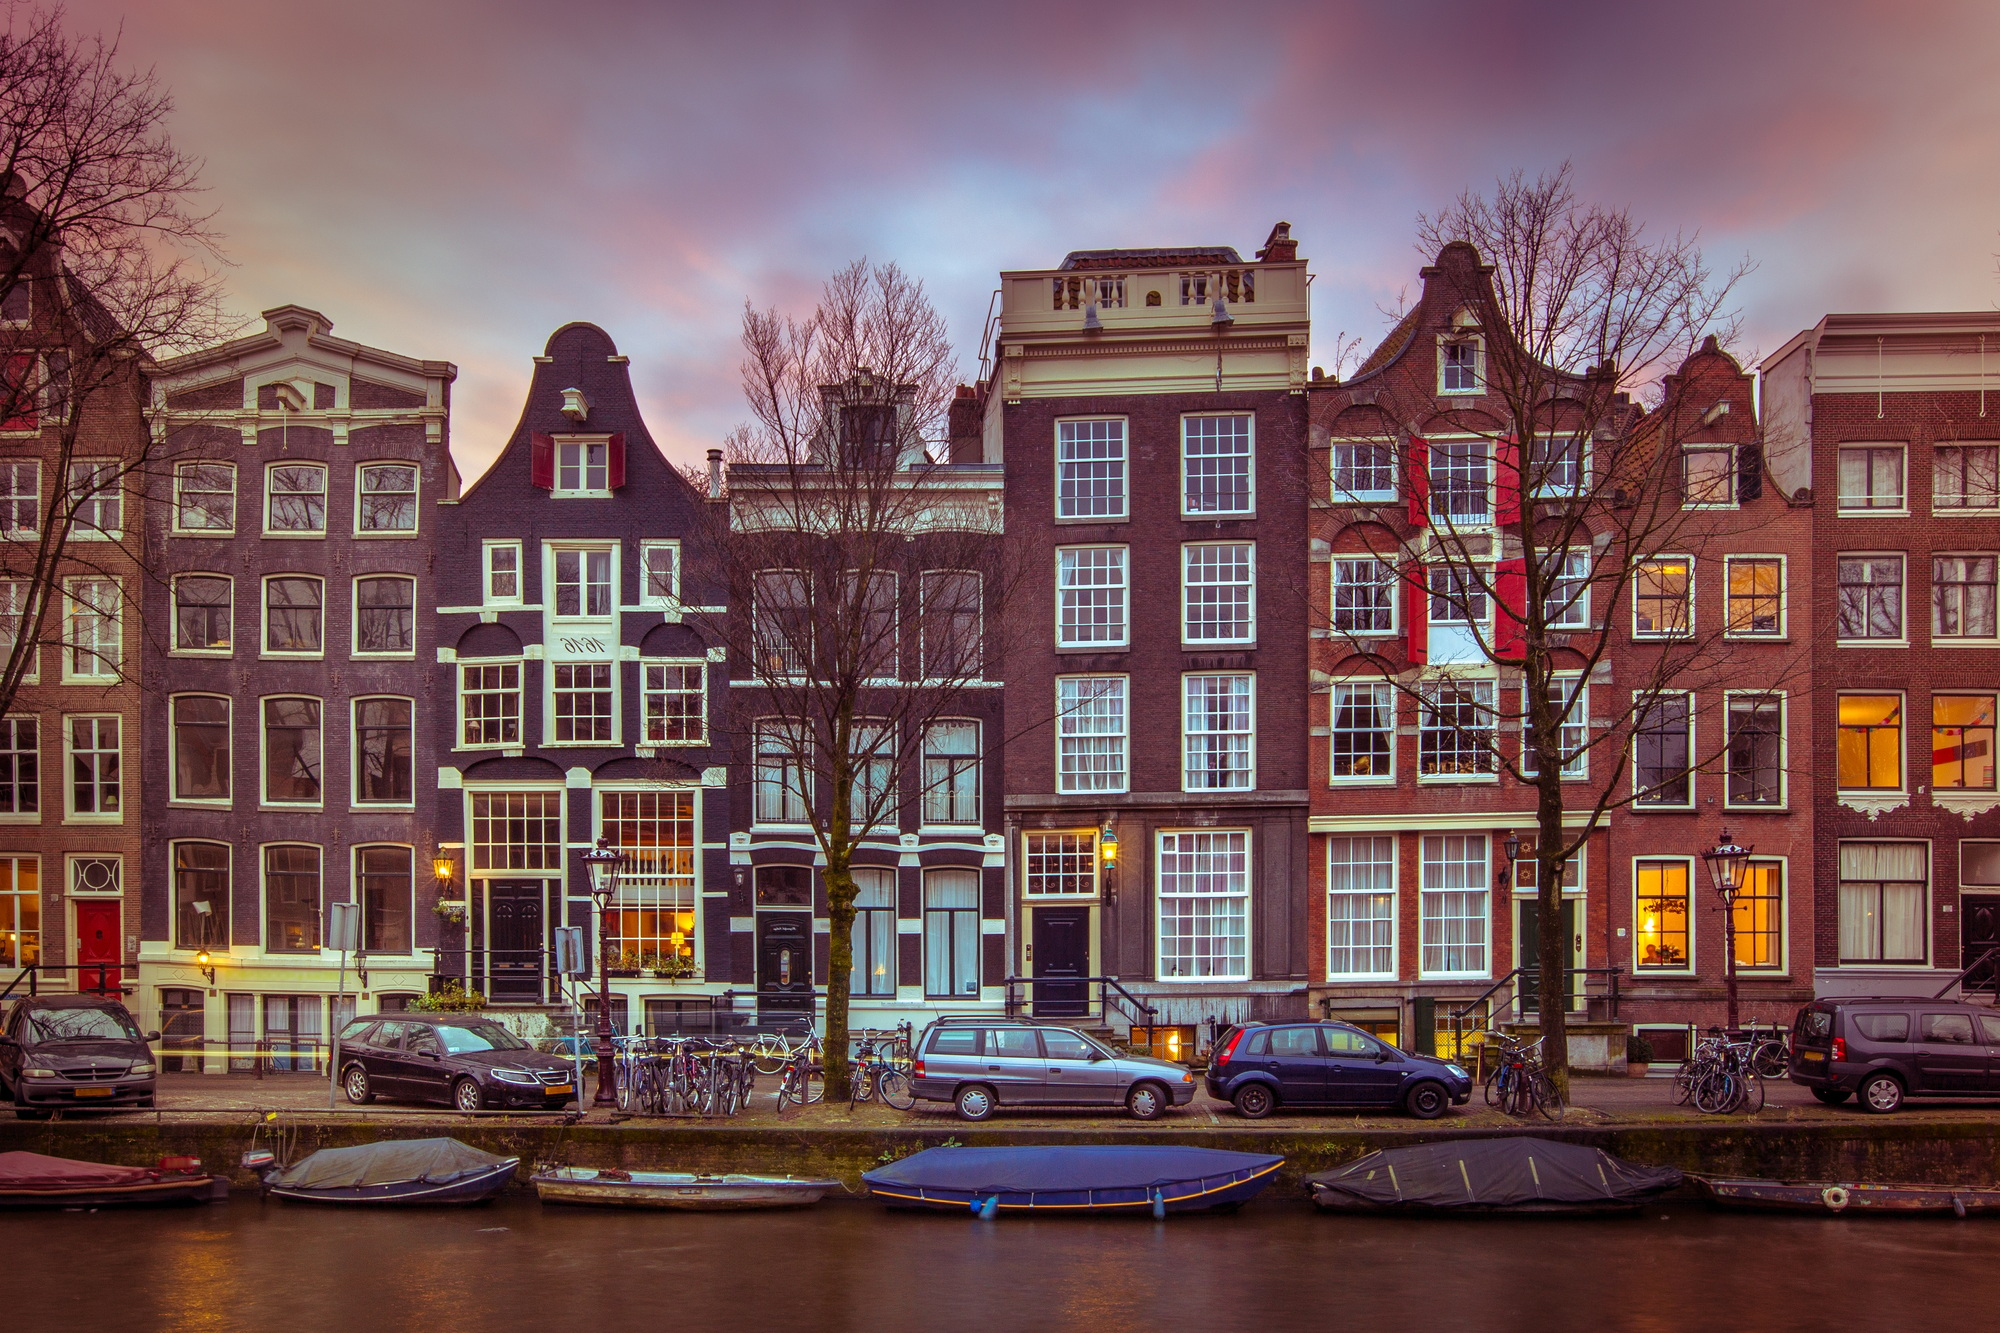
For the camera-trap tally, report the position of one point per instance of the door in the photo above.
(1013, 1064)
(98, 946)
(1989, 1032)
(785, 961)
(1078, 1072)
(1950, 1056)
(1979, 927)
(1294, 1056)
(383, 1057)
(1361, 1071)
(423, 1064)
(515, 946)
(1528, 944)
(183, 1030)
(1062, 962)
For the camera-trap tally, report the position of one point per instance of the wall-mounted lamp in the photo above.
(1107, 846)
(206, 914)
(442, 867)
(204, 966)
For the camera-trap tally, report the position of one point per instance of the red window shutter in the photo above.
(19, 389)
(614, 466)
(1510, 611)
(1417, 615)
(1419, 481)
(1507, 481)
(542, 460)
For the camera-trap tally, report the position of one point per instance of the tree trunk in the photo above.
(1553, 955)
(839, 969)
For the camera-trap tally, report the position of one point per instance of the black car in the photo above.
(1261, 1066)
(74, 1050)
(462, 1060)
(1889, 1048)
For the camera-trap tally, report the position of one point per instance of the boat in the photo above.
(688, 1191)
(1108, 1178)
(1510, 1176)
(397, 1171)
(32, 1180)
(1820, 1196)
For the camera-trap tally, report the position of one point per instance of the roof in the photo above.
(1181, 256)
(1392, 346)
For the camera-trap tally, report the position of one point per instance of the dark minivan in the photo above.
(462, 1060)
(1887, 1048)
(1262, 1066)
(72, 1051)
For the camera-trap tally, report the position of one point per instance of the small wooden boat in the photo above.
(399, 1171)
(1086, 1178)
(688, 1191)
(31, 1180)
(1508, 1176)
(1818, 1196)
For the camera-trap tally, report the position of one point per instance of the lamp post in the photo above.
(1727, 866)
(603, 863)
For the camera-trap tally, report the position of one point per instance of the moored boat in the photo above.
(399, 1171)
(1085, 1178)
(1510, 1176)
(683, 1190)
(1908, 1199)
(32, 1180)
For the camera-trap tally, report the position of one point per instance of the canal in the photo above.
(515, 1265)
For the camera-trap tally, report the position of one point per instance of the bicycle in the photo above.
(1770, 1056)
(803, 1078)
(882, 1074)
(1720, 1076)
(770, 1052)
(1518, 1085)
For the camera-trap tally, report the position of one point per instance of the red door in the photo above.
(97, 941)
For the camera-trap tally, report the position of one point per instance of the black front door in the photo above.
(1979, 925)
(1528, 937)
(785, 961)
(514, 958)
(1062, 952)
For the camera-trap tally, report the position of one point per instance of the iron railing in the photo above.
(87, 973)
(1077, 998)
(1526, 994)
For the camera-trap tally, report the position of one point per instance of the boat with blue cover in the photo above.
(1084, 1178)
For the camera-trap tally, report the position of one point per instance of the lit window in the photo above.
(1090, 733)
(1219, 592)
(1871, 597)
(205, 497)
(1661, 909)
(1455, 729)
(1756, 596)
(489, 702)
(1361, 907)
(1962, 596)
(1091, 593)
(202, 608)
(1871, 477)
(582, 701)
(295, 499)
(1962, 742)
(388, 501)
(1760, 917)
(1090, 469)
(1364, 597)
(675, 706)
(1363, 735)
(1217, 465)
(1218, 733)
(873, 943)
(653, 916)
(1203, 902)
(1453, 904)
(1869, 748)
(1663, 597)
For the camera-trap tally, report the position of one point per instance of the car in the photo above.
(463, 1060)
(1260, 1067)
(983, 1064)
(75, 1050)
(1882, 1049)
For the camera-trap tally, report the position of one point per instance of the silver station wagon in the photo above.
(982, 1064)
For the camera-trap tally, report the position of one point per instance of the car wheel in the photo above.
(355, 1084)
(1881, 1094)
(975, 1102)
(1147, 1101)
(1427, 1101)
(1253, 1101)
(1832, 1096)
(466, 1096)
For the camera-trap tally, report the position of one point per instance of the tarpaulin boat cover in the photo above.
(1495, 1173)
(1062, 1169)
(432, 1161)
(33, 1171)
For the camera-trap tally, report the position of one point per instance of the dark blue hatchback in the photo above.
(1263, 1066)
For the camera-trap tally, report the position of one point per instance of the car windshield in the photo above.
(479, 1037)
(83, 1025)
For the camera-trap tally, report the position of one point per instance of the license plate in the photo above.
(95, 1092)
(1812, 1055)
(562, 1090)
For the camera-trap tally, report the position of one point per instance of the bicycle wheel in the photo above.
(1548, 1098)
(861, 1083)
(1714, 1094)
(814, 1083)
(769, 1057)
(897, 1089)
(1517, 1097)
(1685, 1079)
(625, 1090)
(1495, 1088)
(1769, 1060)
(1753, 1091)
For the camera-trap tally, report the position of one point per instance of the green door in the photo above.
(1528, 943)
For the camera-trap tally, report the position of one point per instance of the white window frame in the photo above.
(1688, 872)
(561, 445)
(1244, 779)
(519, 692)
(1429, 895)
(971, 669)
(12, 469)
(1841, 498)
(360, 898)
(1122, 737)
(1573, 734)
(553, 552)
(1120, 593)
(325, 497)
(1164, 840)
(1486, 699)
(174, 609)
(1341, 457)
(1576, 613)
(787, 766)
(416, 494)
(1901, 638)
(264, 800)
(1968, 509)
(1391, 893)
(1390, 580)
(930, 796)
(648, 598)
(1641, 701)
(34, 816)
(264, 850)
(1783, 702)
(699, 665)
(1902, 786)
(1545, 489)
(1188, 585)
(1936, 585)
(354, 798)
(1249, 509)
(1728, 452)
(80, 530)
(1784, 597)
(1458, 523)
(1085, 849)
(1925, 916)
(1124, 461)
(13, 599)
(487, 550)
(70, 813)
(1478, 346)
(1987, 693)
(617, 676)
(354, 617)
(182, 472)
(174, 796)
(73, 647)
(1380, 691)
(1687, 599)
(264, 620)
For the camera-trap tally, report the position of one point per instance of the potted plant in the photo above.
(624, 963)
(673, 966)
(1638, 1056)
(451, 912)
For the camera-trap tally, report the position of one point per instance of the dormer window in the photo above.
(1458, 365)
(582, 468)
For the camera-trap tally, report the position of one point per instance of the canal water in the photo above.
(842, 1266)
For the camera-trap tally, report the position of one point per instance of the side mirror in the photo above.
(1381, 1054)
(434, 1054)
(152, 1036)
(1097, 1056)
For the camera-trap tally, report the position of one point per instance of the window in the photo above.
(781, 778)
(872, 599)
(1870, 745)
(20, 497)
(1871, 597)
(489, 703)
(951, 934)
(654, 918)
(295, 499)
(205, 497)
(383, 772)
(659, 574)
(1663, 597)
(201, 895)
(95, 783)
(387, 498)
(294, 615)
(675, 703)
(1361, 907)
(13, 608)
(20, 911)
(1362, 736)
(1555, 466)
(583, 584)
(1871, 477)
(517, 830)
(1756, 596)
(1091, 592)
(1884, 892)
(1364, 470)
(1219, 733)
(55, 386)
(1455, 729)
(1090, 733)
(1090, 469)
(951, 773)
(1059, 865)
(874, 938)
(1760, 917)
(782, 623)
(1965, 476)
(1979, 865)
(17, 305)
(582, 710)
(94, 639)
(202, 611)
(1570, 698)
(292, 751)
(1364, 597)
(1565, 588)
(1218, 469)
(1708, 477)
(1661, 910)
(20, 766)
(1962, 597)
(291, 899)
(871, 798)
(1204, 906)
(1756, 763)
(1528, 869)
(1962, 742)
(1458, 365)
(201, 747)
(953, 621)
(503, 573)
(385, 615)
(386, 879)
(583, 468)
(94, 491)
(17, 393)
(1452, 907)
(1457, 596)
(1661, 744)
(1219, 592)
(1460, 471)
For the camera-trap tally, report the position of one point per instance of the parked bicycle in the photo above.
(1518, 1085)
(1720, 1076)
(802, 1078)
(882, 1068)
(1770, 1054)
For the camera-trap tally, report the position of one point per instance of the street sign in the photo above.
(571, 960)
(343, 926)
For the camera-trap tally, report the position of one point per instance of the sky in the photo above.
(455, 179)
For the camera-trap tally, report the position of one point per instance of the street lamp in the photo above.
(1728, 864)
(603, 863)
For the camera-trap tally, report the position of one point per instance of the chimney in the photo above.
(715, 474)
(1279, 247)
(965, 428)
